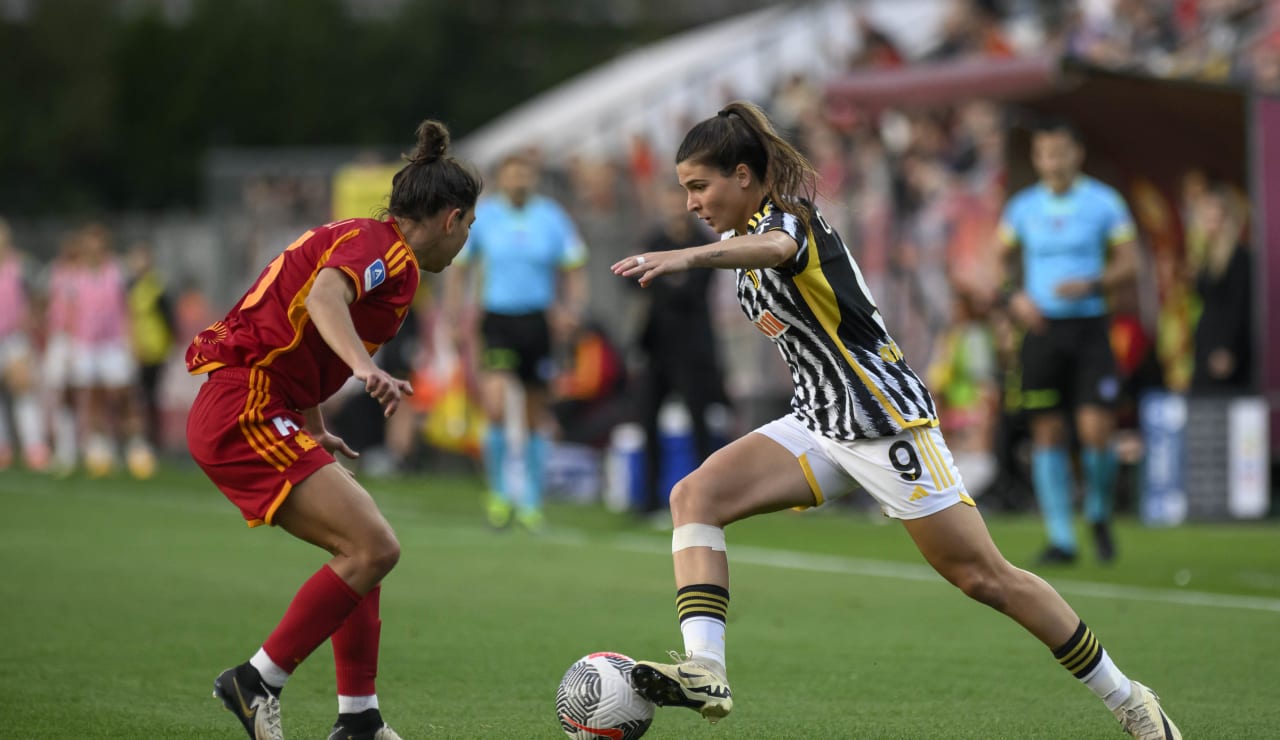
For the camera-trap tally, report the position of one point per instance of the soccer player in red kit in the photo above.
(314, 318)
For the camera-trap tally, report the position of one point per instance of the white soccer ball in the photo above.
(595, 700)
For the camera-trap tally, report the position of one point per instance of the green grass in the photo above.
(122, 601)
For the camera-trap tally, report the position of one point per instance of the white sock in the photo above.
(356, 704)
(704, 639)
(272, 674)
(26, 412)
(1110, 685)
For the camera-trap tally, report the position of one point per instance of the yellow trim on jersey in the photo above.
(297, 313)
(207, 367)
(275, 505)
(397, 263)
(822, 301)
(812, 479)
(759, 216)
(964, 498)
(355, 279)
(412, 257)
(397, 254)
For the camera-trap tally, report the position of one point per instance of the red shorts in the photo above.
(249, 443)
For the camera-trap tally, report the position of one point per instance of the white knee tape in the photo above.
(697, 535)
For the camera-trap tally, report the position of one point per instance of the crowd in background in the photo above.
(917, 193)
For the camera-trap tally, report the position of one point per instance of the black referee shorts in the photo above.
(1070, 364)
(519, 344)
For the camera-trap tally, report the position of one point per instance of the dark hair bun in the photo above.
(433, 142)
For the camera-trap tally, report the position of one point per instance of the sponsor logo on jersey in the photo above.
(771, 325)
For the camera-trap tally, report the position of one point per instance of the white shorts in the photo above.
(911, 475)
(14, 348)
(57, 363)
(106, 365)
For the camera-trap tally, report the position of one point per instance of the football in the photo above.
(595, 700)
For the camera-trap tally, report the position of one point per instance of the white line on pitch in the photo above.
(792, 560)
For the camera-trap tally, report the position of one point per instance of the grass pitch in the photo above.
(123, 600)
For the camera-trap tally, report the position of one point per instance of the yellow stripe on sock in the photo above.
(1082, 647)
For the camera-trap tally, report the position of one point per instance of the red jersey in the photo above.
(270, 329)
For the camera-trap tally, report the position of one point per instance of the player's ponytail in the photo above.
(741, 134)
(433, 179)
(433, 142)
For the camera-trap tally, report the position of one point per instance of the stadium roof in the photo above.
(659, 89)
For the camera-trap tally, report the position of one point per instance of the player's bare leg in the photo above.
(332, 511)
(753, 475)
(957, 544)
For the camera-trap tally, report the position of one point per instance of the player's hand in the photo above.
(645, 267)
(386, 390)
(334, 444)
(1024, 311)
(1073, 289)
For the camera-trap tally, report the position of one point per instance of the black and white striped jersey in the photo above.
(851, 380)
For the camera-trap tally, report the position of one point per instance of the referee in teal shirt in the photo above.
(529, 256)
(1071, 239)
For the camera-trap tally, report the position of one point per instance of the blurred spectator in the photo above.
(60, 306)
(151, 319)
(878, 49)
(1224, 283)
(1077, 242)
(973, 27)
(1211, 50)
(1140, 35)
(17, 362)
(103, 369)
(1011, 488)
(962, 380)
(797, 100)
(1175, 322)
(1264, 63)
(923, 255)
(588, 387)
(678, 344)
(529, 258)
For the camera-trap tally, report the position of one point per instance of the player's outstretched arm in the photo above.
(746, 252)
(327, 305)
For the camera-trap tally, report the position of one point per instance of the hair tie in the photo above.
(725, 113)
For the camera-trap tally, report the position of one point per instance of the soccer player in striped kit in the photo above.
(17, 362)
(314, 318)
(859, 413)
